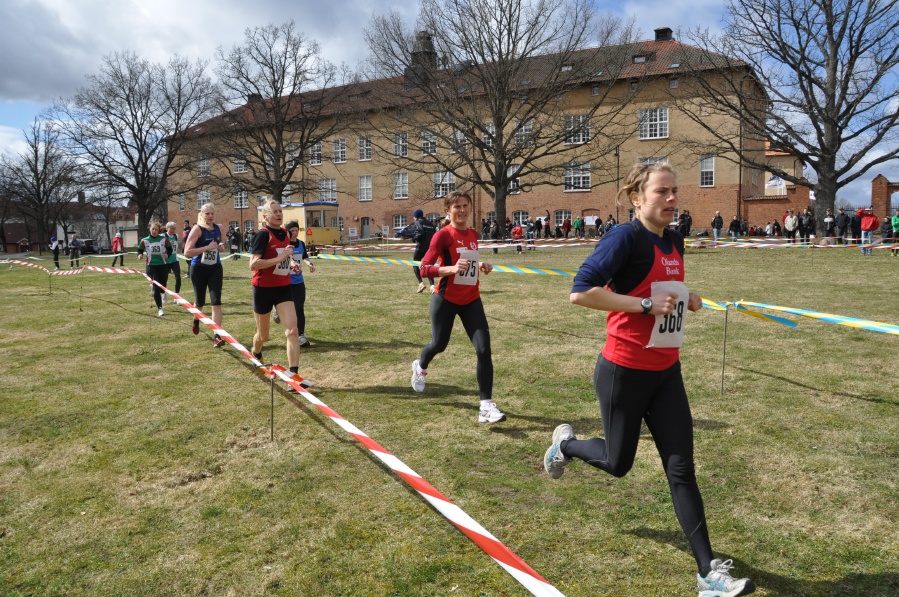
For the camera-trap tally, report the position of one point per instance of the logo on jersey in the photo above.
(672, 266)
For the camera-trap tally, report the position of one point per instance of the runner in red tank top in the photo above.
(458, 294)
(271, 264)
(636, 274)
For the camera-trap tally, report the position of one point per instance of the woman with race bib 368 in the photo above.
(271, 261)
(458, 294)
(203, 245)
(636, 274)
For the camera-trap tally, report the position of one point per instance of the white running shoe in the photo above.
(433, 289)
(275, 317)
(719, 582)
(418, 377)
(304, 342)
(421, 287)
(491, 414)
(554, 461)
(165, 298)
(160, 313)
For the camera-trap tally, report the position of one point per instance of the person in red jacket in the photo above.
(118, 249)
(870, 223)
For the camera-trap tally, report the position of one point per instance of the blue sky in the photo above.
(50, 46)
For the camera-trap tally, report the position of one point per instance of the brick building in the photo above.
(362, 168)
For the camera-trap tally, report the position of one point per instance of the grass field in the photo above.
(136, 460)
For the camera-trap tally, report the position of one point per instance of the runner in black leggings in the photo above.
(636, 274)
(456, 247)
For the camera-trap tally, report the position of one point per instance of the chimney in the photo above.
(81, 197)
(664, 34)
(254, 98)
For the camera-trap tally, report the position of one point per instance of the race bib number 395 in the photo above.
(668, 331)
(470, 276)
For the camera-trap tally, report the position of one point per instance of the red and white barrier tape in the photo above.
(493, 547)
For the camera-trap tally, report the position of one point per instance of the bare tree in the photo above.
(488, 79)
(126, 126)
(41, 181)
(815, 78)
(279, 100)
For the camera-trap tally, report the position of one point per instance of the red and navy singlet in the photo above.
(445, 247)
(628, 260)
(267, 243)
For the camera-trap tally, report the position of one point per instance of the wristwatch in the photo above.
(647, 305)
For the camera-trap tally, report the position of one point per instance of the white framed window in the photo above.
(339, 151)
(707, 171)
(248, 225)
(524, 134)
(401, 185)
(286, 193)
(365, 188)
(399, 221)
(234, 224)
(182, 202)
(202, 198)
(520, 216)
(401, 145)
(491, 216)
(203, 167)
(594, 90)
(489, 134)
(444, 183)
(459, 141)
(634, 85)
(327, 189)
(315, 154)
(241, 199)
(269, 161)
(577, 129)
(364, 148)
(653, 123)
(514, 182)
(577, 177)
(428, 142)
(293, 155)
(631, 214)
(653, 160)
(434, 217)
(673, 82)
(239, 164)
(560, 216)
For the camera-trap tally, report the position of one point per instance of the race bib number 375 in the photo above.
(470, 276)
(668, 331)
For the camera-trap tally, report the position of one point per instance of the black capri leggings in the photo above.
(627, 397)
(298, 291)
(205, 277)
(474, 320)
(159, 273)
(174, 268)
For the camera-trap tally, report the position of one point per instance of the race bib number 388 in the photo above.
(668, 331)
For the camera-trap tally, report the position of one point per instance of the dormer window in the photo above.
(674, 65)
(640, 59)
(567, 68)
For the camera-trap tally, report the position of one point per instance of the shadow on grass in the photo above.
(793, 382)
(862, 585)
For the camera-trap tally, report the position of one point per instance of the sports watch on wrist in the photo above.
(647, 305)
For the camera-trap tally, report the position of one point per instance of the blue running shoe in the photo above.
(554, 461)
(719, 582)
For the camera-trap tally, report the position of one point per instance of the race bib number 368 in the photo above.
(668, 331)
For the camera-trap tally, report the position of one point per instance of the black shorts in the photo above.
(207, 277)
(266, 297)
